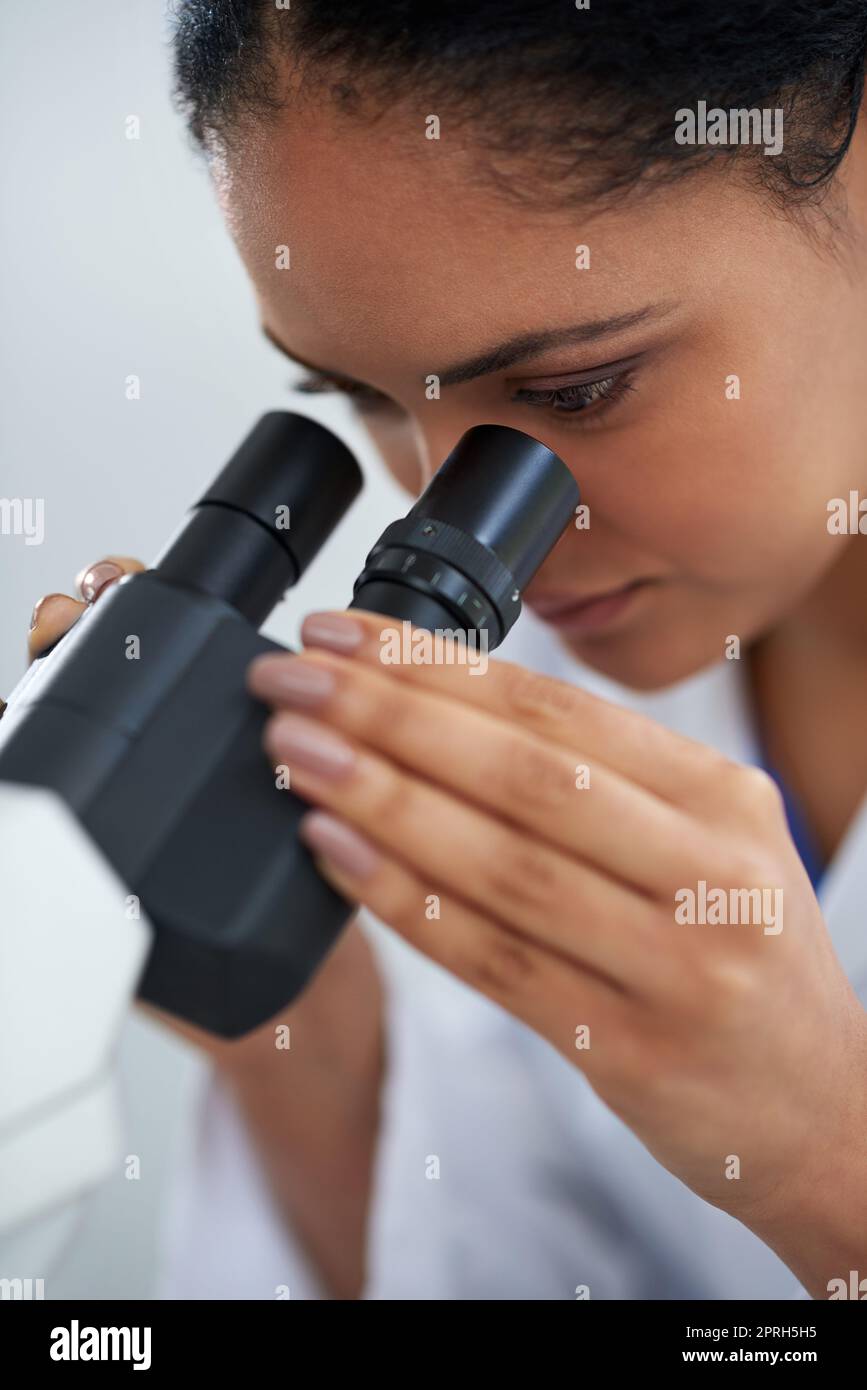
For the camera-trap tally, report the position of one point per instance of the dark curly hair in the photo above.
(582, 100)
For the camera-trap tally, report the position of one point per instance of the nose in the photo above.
(414, 444)
(435, 441)
(437, 434)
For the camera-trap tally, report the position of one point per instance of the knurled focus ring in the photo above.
(488, 595)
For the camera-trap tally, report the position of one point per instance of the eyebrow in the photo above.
(516, 350)
(530, 345)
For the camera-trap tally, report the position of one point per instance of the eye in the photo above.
(363, 397)
(576, 398)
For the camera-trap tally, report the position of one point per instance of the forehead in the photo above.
(401, 246)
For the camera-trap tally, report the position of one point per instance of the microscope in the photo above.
(169, 864)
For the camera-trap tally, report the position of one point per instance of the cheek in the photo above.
(726, 493)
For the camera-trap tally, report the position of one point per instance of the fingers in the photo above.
(552, 995)
(52, 617)
(489, 866)
(91, 582)
(534, 783)
(673, 767)
(55, 614)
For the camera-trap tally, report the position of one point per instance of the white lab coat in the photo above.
(540, 1188)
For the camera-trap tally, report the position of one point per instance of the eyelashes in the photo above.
(363, 397)
(576, 398)
(566, 403)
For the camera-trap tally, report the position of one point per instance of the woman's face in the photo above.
(716, 351)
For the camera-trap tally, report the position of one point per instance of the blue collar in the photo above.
(799, 829)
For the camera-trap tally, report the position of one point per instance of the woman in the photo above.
(567, 220)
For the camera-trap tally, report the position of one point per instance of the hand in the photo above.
(737, 1053)
(54, 614)
(337, 995)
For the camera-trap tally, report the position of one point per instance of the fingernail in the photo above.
(348, 851)
(290, 680)
(303, 744)
(97, 577)
(334, 631)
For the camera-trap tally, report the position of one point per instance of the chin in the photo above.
(644, 662)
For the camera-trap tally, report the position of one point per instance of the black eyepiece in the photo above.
(266, 515)
(461, 557)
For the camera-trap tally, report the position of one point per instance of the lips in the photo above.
(571, 614)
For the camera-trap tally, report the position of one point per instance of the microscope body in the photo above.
(147, 844)
(141, 722)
